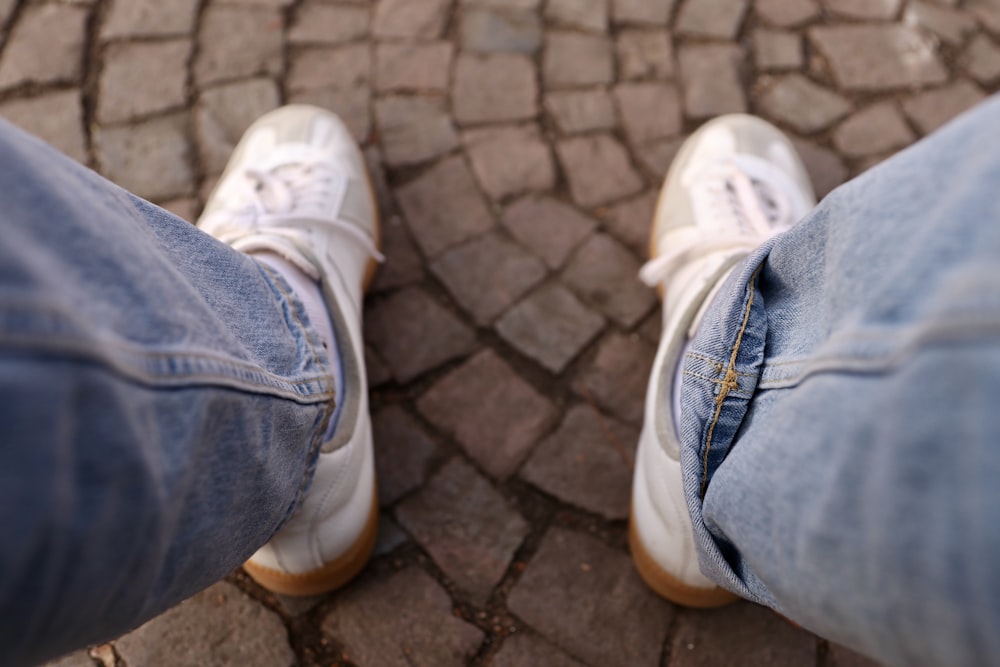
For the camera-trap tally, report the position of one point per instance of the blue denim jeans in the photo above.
(848, 376)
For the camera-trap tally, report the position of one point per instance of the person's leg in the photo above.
(164, 400)
(838, 440)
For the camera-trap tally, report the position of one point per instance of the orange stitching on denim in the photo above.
(729, 383)
(715, 364)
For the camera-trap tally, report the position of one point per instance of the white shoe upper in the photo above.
(734, 184)
(297, 186)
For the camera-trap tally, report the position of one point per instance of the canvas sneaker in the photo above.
(296, 186)
(734, 184)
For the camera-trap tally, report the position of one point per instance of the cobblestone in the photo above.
(319, 23)
(806, 106)
(56, 117)
(711, 18)
(420, 67)
(573, 59)
(510, 160)
(410, 19)
(598, 169)
(548, 227)
(877, 129)
(711, 77)
(224, 113)
(238, 41)
(787, 13)
(871, 57)
(340, 68)
(864, 9)
(586, 14)
(528, 651)
(414, 129)
(403, 451)
(605, 275)
(932, 109)
(950, 25)
(149, 18)
(616, 379)
(645, 54)
(649, 111)
(489, 30)
(777, 49)
(581, 111)
(31, 56)
(494, 88)
(151, 158)
(654, 12)
(983, 60)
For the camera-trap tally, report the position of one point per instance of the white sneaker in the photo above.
(296, 186)
(735, 183)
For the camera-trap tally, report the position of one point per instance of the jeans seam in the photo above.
(735, 391)
(715, 363)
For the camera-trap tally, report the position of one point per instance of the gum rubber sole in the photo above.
(332, 575)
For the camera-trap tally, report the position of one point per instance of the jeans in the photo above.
(840, 428)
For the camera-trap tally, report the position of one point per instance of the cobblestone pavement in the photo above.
(517, 146)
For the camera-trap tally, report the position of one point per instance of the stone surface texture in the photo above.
(516, 148)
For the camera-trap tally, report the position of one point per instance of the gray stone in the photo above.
(864, 9)
(376, 369)
(414, 129)
(551, 326)
(413, 66)
(654, 12)
(142, 78)
(401, 620)
(605, 274)
(498, 87)
(951, 25)
(487, 275)
(581, 110)
(469, 530)
(320, 23)
(787, 13)
(524, 650)
(711, 18)
(224, 113)
(489, 31)
(185, 208)
(236, 42)
(711, 77)
(390, 537)
(576, 582)
(351, 104)
(510, 160)
(844, 657)
(587, 14)
(56, 117)
(78, 659)
(548, 227)
(150, 158)
(826, 170)
(443, 206)
(149, 18)
(403, 265)
(876, 57)
(617, 377)
(649, 110)
(414, 334)
(411, 19)
(574, 59)
(31, 55)
(402, 453)
(657, 156)
(876, 129)
(777, 49)
(503, 4)
(644, 54)
(631, 221)
(218, 627)
(339, 68)
(491, 411)
(806, 106)
(988, 13)
(598, 169)
(982, 60)
(932, 109)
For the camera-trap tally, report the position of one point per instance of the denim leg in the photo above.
(162, 399)
(840, 430)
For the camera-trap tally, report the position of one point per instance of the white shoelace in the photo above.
(743, 200)
(286, 201)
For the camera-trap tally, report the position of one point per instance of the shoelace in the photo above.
(744, 199)
(286, 201)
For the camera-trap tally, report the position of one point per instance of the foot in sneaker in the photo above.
(734, 184)
(296, 195)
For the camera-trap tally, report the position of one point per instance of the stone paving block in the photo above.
(586, 14)
(951, 25)
(351, 104)
(224, 113)
(587, 462)
(235, 42)
(605, 274)
(31, 55)
(6, 9)
(390, 536)
(218, 627)
(631, 221)
(644, 54)
(376, 369)
(487, 275)
(652, 327)
(777, 49)
(575, 59)
(403, 264)
(575, 582)
(403, 451)
(581, 110)
(150, 159)
(413, 66)
(56, 117)
(494, 414)
(743, 634)
(277, 4)
(657, 156)
(523, 650)
(149, 18)
(510, 160)
(551, 326)
(875, 129)
(787, 13)
(711, 79)
(988, 13)
(492, 31)
(878, 57)
(598, 169)
(932, 109)
(401, 620)
(142, 78)
(548, 227)
(343, 67)
(503, 4)
(443, 206)
(410, 19)
(320, 23)
(844, 657)
(982, 60)
(649, 110)
(653, 12)
(468, 529)
(414, 334)
(617, 377)
(185, 208)
(864, 9)
(414, 129)
(806, 106)
(826, 169)
(497, 87)
(711, 18)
